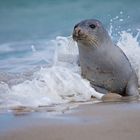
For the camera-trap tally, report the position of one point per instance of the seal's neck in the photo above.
(104, 40)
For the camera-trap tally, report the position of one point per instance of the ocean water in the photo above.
(38, 58)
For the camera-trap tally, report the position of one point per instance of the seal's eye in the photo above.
(92, 26)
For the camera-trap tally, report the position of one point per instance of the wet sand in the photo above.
(101, 121)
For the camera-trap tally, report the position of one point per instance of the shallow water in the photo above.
(38, 59)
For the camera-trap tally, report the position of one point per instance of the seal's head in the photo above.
(90, 33)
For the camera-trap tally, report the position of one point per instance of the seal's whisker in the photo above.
(92, 41)
(72, 45)
(96, 41)
(70, 41)
(69, 37)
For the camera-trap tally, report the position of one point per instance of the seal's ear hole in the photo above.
(92, 26)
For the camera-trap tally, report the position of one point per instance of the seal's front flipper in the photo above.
(113, 97)
(99, 89)
(106, 95)
(132, 86)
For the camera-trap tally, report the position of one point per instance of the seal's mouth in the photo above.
(78, 38)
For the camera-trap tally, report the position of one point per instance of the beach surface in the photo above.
(108, 121)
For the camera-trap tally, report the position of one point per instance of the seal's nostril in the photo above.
(79, 31)
(76, 26)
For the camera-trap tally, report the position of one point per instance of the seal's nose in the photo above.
(77, 31)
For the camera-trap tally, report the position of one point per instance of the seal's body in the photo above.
(102, 63)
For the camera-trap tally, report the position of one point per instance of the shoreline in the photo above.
(89, 121)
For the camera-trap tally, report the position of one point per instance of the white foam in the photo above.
(59, 83)
(130, 46)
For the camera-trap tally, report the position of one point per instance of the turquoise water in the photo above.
(38, 57)
(22, 20)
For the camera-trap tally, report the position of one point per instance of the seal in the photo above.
(103, 63)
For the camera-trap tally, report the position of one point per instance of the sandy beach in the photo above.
(108, 121)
